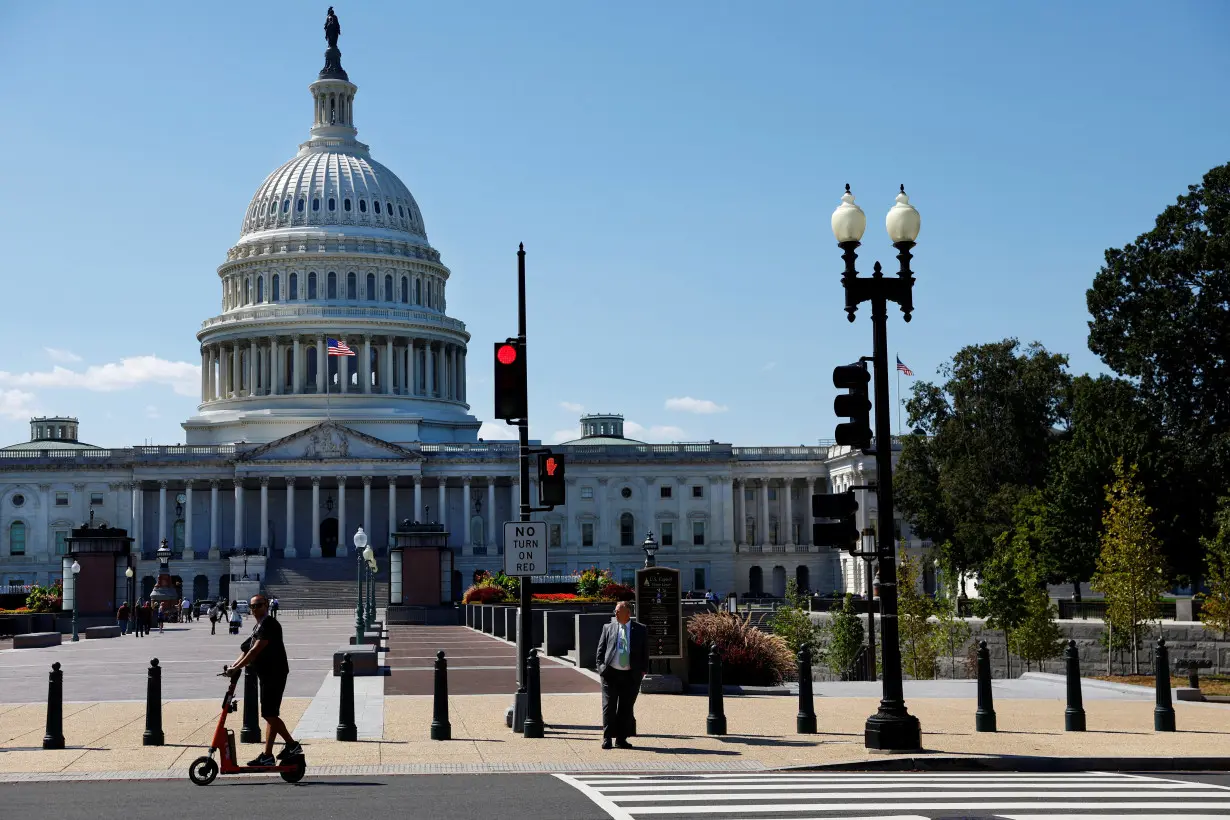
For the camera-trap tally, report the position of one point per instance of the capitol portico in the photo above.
(291, 449)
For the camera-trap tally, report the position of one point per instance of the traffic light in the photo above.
(510, 381)
(855, 406)
(841, 530)
(550, 479)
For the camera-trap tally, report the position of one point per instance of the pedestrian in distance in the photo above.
(265, 651)
(147, 618)
(161, 616)
(186, 610)
(121, 618)
(273, 606)
(213, 620)
(236, 618)
(623, 660)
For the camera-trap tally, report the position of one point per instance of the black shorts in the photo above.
(271, 696)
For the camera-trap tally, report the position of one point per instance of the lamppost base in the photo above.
(514, 715)
(893, 733)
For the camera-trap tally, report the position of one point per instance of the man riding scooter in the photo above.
(265, 652)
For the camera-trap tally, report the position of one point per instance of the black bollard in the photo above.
(1074, 715)
(805, 723)
(250, 732)
(984, 719)
(153, 706)
(1163, 713)
(1193, 675)
(715, 724)
(532, 726)
(441, 729)
(346, 730)
(54, 738)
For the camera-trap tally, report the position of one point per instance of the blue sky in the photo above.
(670, 166)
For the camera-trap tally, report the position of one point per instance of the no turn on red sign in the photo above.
(525, 548)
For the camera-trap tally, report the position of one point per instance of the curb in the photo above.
(1014, 763)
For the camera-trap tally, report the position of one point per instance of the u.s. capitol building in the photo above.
(291, 450)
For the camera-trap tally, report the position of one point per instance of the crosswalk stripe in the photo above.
(874, 793)
(781, 808)
(1084, 816)
(857, 785)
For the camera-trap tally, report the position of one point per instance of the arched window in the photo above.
(289, 370)
(429, 293)
(312, 368)
(362, 206)
(177, 535)
(346, 204)
(376, 205)
(375, 366)
(17, 538)
(316, 203)
(749, 530)
(371, 287)
(311, 294)
(401, 212)
(286, 206)
(774, 531)
(755, 581)
(332, 204)
(332, 285)
(294, 286)
(418, 291)
(299, 205)
(625, 530)
(388, 288)
(405, 290)
(388, 208)
(273, 207)
(352, 286)
(247, 291)
(275, 289)
(241, 378)
(260, 288)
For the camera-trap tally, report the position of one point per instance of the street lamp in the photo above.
(76, 599)
(370, 560)
(131, 592)
(651, 549)
(360, 542)
(892, 727)
(869, 548)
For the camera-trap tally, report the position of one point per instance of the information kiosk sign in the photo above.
(659, 606)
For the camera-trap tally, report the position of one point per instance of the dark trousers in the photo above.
(619, 690)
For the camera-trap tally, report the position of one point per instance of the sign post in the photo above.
(525, 548)
(659, 606)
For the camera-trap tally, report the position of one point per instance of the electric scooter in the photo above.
(204, 769)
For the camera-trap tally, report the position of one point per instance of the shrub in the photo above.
(749, 656)
(44, 599)
(484, 594)
(845, 638)
(793, 623)
(617, 592)
(592, 581)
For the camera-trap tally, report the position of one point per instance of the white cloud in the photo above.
(572, 406)
(62, 356)
(769, 366)
(17, 404)
(687, 404)
(656, 433)
(560, 436)
(182, 377)
(495, 431)
(151, 412)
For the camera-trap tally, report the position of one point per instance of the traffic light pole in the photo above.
(892, 727)
(525, 634)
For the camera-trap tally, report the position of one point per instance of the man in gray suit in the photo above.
(623, 660)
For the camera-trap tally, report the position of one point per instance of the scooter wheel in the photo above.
(203, 771)
(295, 774)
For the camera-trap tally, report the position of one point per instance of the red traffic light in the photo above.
(552, 466)
(507, 354)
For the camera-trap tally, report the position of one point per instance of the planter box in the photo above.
(559, 635)
(102, 632)
(37, 640)
(366, 661)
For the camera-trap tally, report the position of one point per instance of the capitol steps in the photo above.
(318, 583)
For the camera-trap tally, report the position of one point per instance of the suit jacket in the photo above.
(638, 652)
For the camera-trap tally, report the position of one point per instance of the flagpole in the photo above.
(898, 396)
(328, 358)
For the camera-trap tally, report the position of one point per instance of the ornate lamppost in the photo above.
(892, 728)
(76, 599)
(360, 541)
(650, 546)
(131, 591)
(369, 555)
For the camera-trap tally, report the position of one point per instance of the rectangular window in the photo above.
(555, 535)
(587, 492)
(17, 539)
(61, 499)
(665, 491)
(668, 534)
(61, 542)
(749, 495)
(587, 534)
(698, 533)
(698, 578)
(794, 492)
(772, 493)
(96, 499)
(628, 577)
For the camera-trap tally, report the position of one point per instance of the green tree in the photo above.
(793, 623)
(918, 636)
(1160, 311)
(953, 630)
(1001, 592)
(845, 634)
(1130, 571)
(1037, 637)
(1215, 608)
(987, 433)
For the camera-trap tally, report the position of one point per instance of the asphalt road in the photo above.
(543, 797)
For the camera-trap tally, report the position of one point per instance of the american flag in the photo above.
(339, 348)
(900, 367)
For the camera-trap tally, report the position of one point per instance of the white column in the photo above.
(296, 378)
(466, 506)
(252, 368)
(189, 541)
(491, 510)
(224, 363)
(387, 387)
(264, 522)
(788, 487)
(807, 519)
(162, 511)
(392, 507)
(315, 551)
(463, 375)
(447, 355)
(275, 369)
(238, 514)
(289, 551)
(136, 514)
(418, 499)
(215, 545)
(235, 370)
(442, 502)
(431, 366)
(367, 507)
(322, 364)
(204, 375)
(343, 537)
(366, 370)
(762, 526)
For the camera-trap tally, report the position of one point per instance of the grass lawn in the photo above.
(1209, 685)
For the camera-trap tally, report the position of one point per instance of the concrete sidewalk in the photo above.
(104, 739)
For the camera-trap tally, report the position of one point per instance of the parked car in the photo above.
(203, 607)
